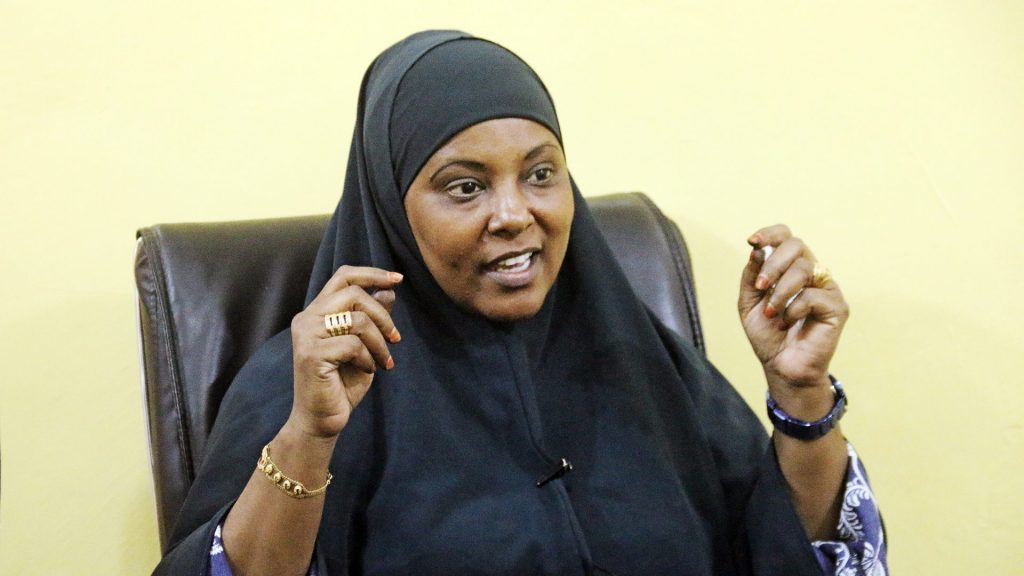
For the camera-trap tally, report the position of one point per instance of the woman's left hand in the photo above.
(793, 326)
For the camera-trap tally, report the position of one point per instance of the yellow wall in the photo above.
(888, 134)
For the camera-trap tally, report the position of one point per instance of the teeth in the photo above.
(515, 264)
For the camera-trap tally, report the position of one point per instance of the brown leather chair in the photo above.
(210, 293)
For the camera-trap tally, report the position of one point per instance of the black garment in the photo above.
(436, 471)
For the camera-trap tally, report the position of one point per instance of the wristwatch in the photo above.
(801, 429)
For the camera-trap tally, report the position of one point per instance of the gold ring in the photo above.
(821, 276)
(338, 324)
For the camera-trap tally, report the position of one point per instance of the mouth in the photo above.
(516, 263)
(515, 269)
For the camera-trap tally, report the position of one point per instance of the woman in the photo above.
(466, 337)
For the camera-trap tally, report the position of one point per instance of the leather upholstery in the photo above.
(210, 293)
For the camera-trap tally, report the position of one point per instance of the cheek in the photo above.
(446, 246)
(561, 220)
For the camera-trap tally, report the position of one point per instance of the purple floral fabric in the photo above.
(859, 551)
(219, 559)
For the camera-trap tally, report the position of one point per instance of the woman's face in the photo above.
(491, 212)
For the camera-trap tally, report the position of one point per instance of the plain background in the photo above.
(888, 134)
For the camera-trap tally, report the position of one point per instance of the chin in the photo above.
(511, 309)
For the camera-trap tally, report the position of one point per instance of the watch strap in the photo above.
(801, 429)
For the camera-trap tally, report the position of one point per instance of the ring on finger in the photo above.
(821, 276)
(338, 324)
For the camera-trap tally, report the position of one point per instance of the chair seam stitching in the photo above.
(171, 349)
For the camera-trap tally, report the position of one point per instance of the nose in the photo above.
(511, 211)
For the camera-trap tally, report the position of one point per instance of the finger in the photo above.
(348, 349)
(782, 258)
(770, 236)
(355, 298)
(793, 280)
(365, 276)
(819, 304)
(373, 340)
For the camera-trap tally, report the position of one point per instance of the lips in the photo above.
(514, 269)
(514, 264)
(512, 260)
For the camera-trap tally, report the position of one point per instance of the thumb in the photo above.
(750, 296)
(386, 299)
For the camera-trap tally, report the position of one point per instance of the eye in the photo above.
(464, 189)
(541, 175)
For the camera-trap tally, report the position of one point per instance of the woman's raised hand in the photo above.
(792, 323)
(333, 373)
(266, 532)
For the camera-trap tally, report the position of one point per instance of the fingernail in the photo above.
(395, 276)
(754, 240)
(390, 363)
(394, 336)
(762, 282)
(769, 311)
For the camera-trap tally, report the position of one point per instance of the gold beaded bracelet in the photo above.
(293, 488)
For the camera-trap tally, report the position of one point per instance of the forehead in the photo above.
(502, 138)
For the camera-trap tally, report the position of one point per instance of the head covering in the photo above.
(479, 81)
(437, 469)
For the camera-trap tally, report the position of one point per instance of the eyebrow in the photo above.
(536, 151)
(475, 166)
(479, 167)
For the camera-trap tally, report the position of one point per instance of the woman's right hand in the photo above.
(333, 373)
(269, 533)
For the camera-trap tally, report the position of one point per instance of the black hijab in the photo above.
(437, 470)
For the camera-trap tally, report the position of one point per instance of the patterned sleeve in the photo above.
(219, 559)
(860, 550)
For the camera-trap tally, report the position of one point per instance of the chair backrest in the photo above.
(210, 293)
